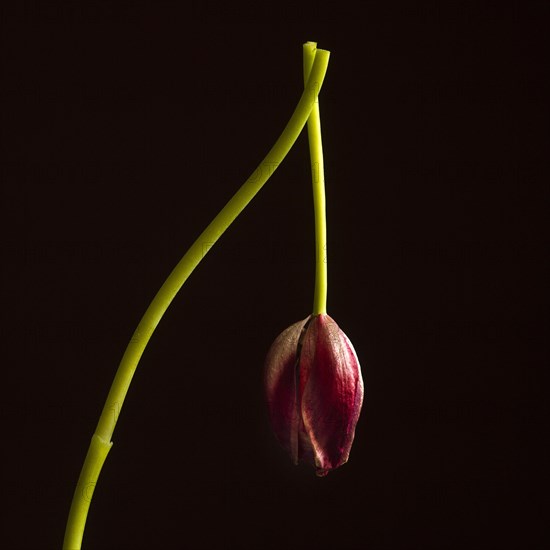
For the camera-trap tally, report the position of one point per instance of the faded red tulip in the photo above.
(314, 392)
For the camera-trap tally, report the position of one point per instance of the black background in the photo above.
(126, 129)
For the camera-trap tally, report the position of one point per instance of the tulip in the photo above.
(314, 392)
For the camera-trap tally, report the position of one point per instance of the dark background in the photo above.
(126, 129)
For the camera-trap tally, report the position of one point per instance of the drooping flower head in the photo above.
(314, 392)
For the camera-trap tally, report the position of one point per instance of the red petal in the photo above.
(280, 388)
(331, 391)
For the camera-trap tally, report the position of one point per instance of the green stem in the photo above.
(318, 179)
(101, 440)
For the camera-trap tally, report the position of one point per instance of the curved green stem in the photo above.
(101, 440)
(318, 178)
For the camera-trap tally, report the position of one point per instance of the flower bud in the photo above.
(314, 392)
